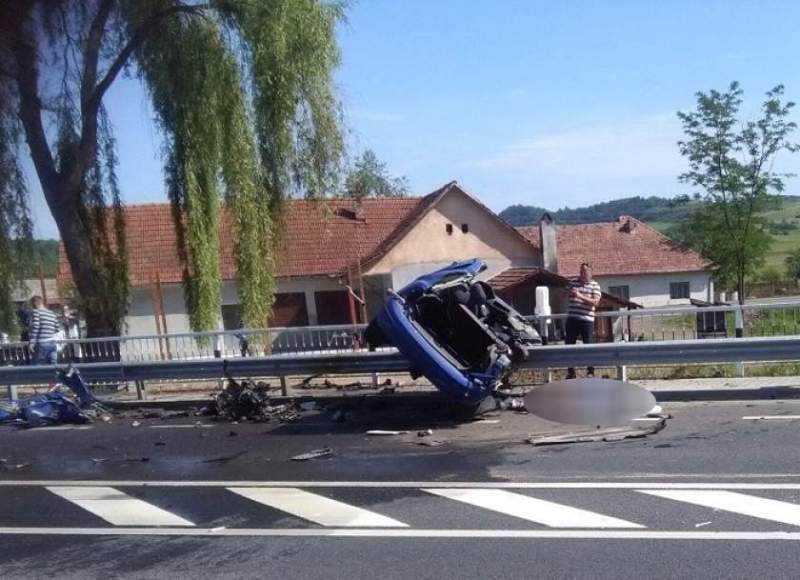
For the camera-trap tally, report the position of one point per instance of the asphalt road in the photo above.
(713, 495)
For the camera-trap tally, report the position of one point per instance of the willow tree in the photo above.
(242, 90)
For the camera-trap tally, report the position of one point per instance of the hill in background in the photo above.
(665, 214)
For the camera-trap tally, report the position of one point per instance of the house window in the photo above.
(449, 229)
(231, 316)
(678, 290)
(465, 228)
(623, 292)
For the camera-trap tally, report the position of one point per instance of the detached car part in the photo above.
(455, 331)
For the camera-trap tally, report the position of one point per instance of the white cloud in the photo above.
(635, 149)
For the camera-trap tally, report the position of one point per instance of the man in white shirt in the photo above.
(584, 295)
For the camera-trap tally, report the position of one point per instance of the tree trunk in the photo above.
(740, 288)
(80, 252)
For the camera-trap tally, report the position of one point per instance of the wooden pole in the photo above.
(162, 313)
(351, 301)
(361, 291)
(42, 284)
(154, 300)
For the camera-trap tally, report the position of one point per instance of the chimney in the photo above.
(358, 210)
(547, 228)
(627, 224)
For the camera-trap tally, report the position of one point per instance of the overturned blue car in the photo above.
(455, 331)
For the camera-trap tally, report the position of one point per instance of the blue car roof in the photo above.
(466, 270)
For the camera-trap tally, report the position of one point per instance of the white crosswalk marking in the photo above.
(316, 508)
(118, 508)
(544, 512)
(738, 503)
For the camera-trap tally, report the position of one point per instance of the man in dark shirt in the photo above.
(43, 328)
(584, 294)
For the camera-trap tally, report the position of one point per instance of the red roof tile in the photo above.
(324, 237)
(626, 246)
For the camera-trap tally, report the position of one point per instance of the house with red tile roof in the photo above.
(629, 259)
(333, 252)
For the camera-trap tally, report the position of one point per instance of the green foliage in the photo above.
(15, 222)
(793, 264)
(369, 178)
(731, 161)
(243, 92)
(244, 64)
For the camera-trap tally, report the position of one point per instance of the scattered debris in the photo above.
(99, 459)
(607, 435)
(160, 443)
(6, 466)
(135, 424)
(702, 524)
(425, 433)
(430, 442)
(56, 406)
(224, 458)
(382, 432)
(313, 454)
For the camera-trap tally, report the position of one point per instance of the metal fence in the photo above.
(644, 325)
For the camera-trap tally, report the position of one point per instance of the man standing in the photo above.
(584, 294)
(43, 329)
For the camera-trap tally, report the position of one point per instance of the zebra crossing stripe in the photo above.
(316, 508)
(118, 508)
(540, 511)
(738, 503)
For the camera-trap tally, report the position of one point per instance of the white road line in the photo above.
(768, 417)
(316, 508)
(554, 515)
(739, 503)
(436, 484)
(118, 508)
(410, 533)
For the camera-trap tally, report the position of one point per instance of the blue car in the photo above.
(455, 331)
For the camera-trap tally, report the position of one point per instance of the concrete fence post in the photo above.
(739, 323)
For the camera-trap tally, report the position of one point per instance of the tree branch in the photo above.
(30, 106)
(91, 54)
(136, 40)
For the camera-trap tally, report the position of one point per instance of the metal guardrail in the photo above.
(759, 349)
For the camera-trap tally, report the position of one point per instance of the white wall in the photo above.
(652, 290)
(141, 317)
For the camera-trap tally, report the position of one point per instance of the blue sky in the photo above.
(549, 103)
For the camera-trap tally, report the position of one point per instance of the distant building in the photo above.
(380, 244)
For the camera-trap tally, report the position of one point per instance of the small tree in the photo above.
(732, 162)
(370, 178)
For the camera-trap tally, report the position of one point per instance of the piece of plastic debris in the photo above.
(99, 459)
(224, 458)
(383, 432)
(425, 433)
(595, 435)
(160, 443)
(701, 524)
(135, 424)
(313, 454)
(105, 418)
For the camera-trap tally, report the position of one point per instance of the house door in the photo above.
(289, 309)
(333, 307)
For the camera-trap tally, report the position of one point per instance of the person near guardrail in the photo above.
(43, 332)
(584, 294)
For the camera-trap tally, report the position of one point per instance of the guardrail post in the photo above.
(622, 373)
(12, 393)
(284, 386)
(140, 390)
(375, 380)
(739, 321)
